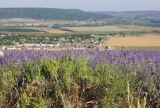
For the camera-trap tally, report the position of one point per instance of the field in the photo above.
(32, 31)
(53, 30)
(152, 40)
(98, 29)
(109, 29)
(112, 29)
(80, 78)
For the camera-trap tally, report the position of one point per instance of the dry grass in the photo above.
(141, 41)
(52, 30)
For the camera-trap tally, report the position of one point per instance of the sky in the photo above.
(87, 5)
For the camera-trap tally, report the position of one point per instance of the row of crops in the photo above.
(80, 79)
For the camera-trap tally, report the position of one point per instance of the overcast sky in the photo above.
(88, 5)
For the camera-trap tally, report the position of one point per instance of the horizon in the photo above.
(86, 5)
(74, 9)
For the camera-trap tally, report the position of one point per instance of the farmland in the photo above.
(150, 41)
(99, 29)
(53, 30)
(80, 78)
(84, 37)
(112, 29)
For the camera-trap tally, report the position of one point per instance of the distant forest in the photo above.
(151, 18)
(50, 13)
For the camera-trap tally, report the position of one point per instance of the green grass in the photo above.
(100, 29)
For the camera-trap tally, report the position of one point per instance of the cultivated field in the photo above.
(134, 41)
(129, 29)
(52, 30)
(79, 79)
(98, 29)
(111, 29)
(32, 30)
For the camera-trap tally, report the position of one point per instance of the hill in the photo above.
(151, 18)
(50, 13)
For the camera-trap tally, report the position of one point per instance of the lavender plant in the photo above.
(80, 78)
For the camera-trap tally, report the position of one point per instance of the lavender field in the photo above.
(80, 79)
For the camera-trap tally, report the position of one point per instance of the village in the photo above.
(55, 42)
